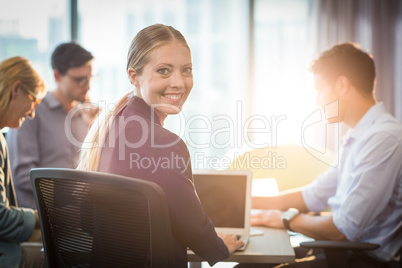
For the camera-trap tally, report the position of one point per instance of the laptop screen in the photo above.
(223, 198)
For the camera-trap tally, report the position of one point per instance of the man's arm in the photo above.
(317, 227)
(284, 201)
(313, 198)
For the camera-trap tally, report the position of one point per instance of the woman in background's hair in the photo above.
(21, 90)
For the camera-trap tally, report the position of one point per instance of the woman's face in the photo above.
(167, 79)
(21, 106)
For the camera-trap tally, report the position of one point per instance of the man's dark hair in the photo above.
(69, 55)
(349, 60)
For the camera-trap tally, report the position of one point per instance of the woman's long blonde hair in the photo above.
(138, 56)
(18, 69)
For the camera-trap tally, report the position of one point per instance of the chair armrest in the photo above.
(329, 244)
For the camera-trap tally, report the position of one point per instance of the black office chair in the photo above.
(336, 252)
(92, 219)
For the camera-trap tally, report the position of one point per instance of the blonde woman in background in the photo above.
(131, 140)
(21, 89)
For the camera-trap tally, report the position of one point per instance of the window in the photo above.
(223, 115)
(34, 35)
(284, 91)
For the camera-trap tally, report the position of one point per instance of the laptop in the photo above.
(225, 196)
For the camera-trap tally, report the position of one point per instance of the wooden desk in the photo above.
(272, 247)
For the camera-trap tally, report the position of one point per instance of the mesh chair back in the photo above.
(92, 219)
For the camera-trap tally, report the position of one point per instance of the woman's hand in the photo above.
(231, 242)
(271, 218)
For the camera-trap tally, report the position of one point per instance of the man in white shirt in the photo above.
(365, 189)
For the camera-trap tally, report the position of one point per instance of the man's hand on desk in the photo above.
(317, 227)
(231, 242)
(271, 218)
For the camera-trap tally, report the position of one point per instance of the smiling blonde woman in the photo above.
(132, 141)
